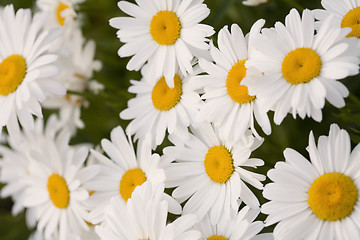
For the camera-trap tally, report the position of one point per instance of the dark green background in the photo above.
(103, 113)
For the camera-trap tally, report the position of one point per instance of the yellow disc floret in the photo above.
(130, 180)
(61, 7)
(58, 191)
(165, 98)
(352, 20)
(165, 28)
(332, 196)
(238, 93)
(12, 73)
(216, 237)
(219, 164)
(301, 65)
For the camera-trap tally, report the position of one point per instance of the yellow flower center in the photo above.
(219, 164)
(61, 7)
(301, 65)
(58, 191)
(332, 196)
(352, 19)
(238, 93)
(165, 28)
(130, 180)
(165, 98)
(216, 237)
(12, 73)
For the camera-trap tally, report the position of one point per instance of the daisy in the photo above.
(228, 103)
(26, 69)
(122, 172)
(165, 33)
(157, 108)
(144, 216)
(316, 199)
(242, 226)
(209, 172)
(346, 14)
(55, 187)
(300, 68)
(77, 64)
(15, 159)
(62, 14)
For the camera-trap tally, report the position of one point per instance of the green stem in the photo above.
(81, 94)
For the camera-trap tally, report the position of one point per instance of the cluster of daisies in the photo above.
(209, 100)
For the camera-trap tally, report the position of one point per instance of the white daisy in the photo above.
(122, 172)
(228, 103)
(158, 108)
(165, 33)
(144, 216)
(55, 190)
(77, 64)
(345, 14)
(62, 14)
(26, 69)
(316, 199)
(15, 159)
(242, 226)
(209, 172)
(254, 2)
(300, 68)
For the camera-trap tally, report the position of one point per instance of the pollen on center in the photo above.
(61, 7)
(216, 237)
(301, 66)
(352, 20)
(163, 97)
(237, 92)
(332, 196)
(129, 181)
(219, 164)
(58, 191)
(165, 27)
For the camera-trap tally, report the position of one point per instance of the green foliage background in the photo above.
(103, 112)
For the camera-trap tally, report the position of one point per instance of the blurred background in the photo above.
(103, 113)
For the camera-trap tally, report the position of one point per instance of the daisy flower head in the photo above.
(209, 172)
(227, 100)
(62, 14)
(144, 216)
(316, 199)
(157, 108)
(345, 14)
(55, 187)
(77, 64)
(15, 159)
(242, 226)
(26, 68)
(164, 33)
(301, 68)
(121, 172)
